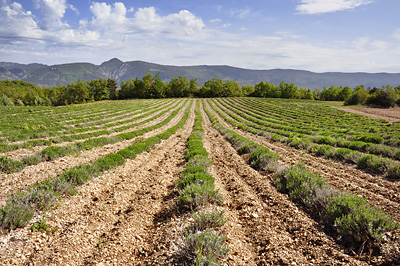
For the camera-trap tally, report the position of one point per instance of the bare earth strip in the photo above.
(377, 191)
(391, 114)
(36, 173)
(278, 232)
(113, 218)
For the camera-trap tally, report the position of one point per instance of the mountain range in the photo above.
(45, 75)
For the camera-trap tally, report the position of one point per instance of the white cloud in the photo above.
(145, 20)
(239, 12)
(53, 11)
(396, 34)
(215, 20)
(15, 21)
(325, 6)
(184, 22)
(107, 16)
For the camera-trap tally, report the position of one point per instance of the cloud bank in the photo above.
(311, 7)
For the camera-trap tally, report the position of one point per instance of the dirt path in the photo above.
(390, 115)
(114, 219)
(272, 230)
(39, 172)
(377, 191)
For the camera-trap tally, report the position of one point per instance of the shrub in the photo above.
(195, 151)
(77, 175)
(199, 178)
(195, 169)
(196, 195)
(110, 161)
(374, 163)
(205, 247)
(206, 219)
(199, 160)
(356, 220)
(303, 186)
(15, 215)
(8, 165)
(367, 138)
(262, 158)
(323, 150)
(394, 171)
(5, 101)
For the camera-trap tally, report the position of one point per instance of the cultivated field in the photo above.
(238, 181)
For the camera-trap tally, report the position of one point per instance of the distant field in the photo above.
(143, 182)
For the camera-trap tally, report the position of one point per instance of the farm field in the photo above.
(125, 182)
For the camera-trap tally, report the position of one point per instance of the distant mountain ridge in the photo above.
(45, 75)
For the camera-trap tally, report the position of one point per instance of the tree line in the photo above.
(151, 87)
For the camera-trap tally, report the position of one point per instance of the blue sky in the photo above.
(315, 35)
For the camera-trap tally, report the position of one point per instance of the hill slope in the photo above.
(44, 75)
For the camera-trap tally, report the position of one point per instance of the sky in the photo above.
(314, 35)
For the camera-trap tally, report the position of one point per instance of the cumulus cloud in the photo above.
(145, 20)
(107, 16)
(16, 22)
(310, 7)
(53, 11)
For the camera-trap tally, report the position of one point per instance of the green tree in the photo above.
(247, 90)
(344, 93)
(77, 92)
(231, 89)
(98, 90)
(156, 89)
(212, 88)
(178, 87)
(112, 87)
(266, 90)
(306, 94)
(358, 96)
(288, 91)
(127, 89)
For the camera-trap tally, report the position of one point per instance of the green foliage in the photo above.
(356, 221)
(374, 163)
(199, 178)
(5, 101)
(205, 247)
(304, 187)
(383, 97)
(13, 215)
(206, 219)
(351, 216)
(196, 195)
(359, 96)
(40, 226)
(110, 161)
(8, 165)
(262, 158)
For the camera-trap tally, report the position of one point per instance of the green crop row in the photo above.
(51, 153)
(321, 120)
(204, 244)
(372, 163)
(74, 132)
(31, 127)
(351, 217)
(21, 206)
